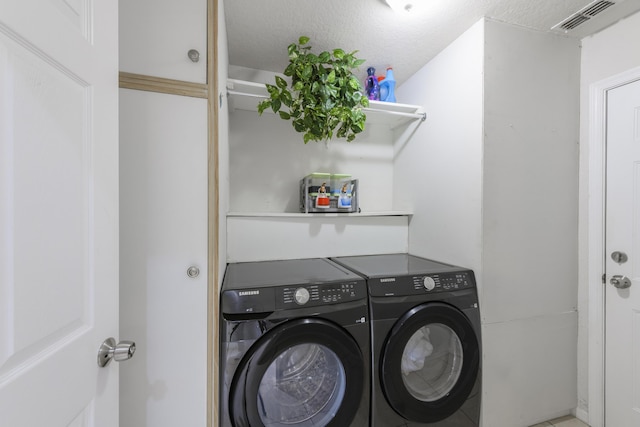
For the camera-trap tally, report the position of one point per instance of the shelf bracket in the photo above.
(251, 95)
(421, 116)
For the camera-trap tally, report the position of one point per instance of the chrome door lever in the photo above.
(620, 282)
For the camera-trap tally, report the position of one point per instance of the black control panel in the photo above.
(421, 284)
(261, 300)
(313, 295)
(442, 282)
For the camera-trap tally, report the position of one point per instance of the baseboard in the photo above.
(582, 415)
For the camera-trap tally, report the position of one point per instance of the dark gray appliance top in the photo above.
(397, 265)
(407, 275)
(285, 272)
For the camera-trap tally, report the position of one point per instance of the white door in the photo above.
(58, 211)
(163, 267)
(622, 358)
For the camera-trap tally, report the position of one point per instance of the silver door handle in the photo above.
(620, 282)
(109, 350)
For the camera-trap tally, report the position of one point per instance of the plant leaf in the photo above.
(306, 71)
(303, 40)
(263, 105)
(324, 57)
(276, 104)
(280, 82)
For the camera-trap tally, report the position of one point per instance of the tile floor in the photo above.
(567, 421)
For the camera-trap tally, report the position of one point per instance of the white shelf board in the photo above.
(244, 95)
(317, 215)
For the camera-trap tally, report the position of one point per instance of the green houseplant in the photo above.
(324, 94)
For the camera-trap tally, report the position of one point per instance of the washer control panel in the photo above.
(319, 294)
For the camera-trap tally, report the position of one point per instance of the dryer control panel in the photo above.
(442, 282)
(421, 284)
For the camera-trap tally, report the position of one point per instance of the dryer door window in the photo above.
(303, 373)
(430, 362)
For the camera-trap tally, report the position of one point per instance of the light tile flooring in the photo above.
(567, 421)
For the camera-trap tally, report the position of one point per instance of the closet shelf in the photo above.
(318, 215)
(244, 95)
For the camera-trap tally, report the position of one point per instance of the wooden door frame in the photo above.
(596, 239)
(213, 195)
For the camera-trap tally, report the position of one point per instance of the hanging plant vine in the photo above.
(324, 94)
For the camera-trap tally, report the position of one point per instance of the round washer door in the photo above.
(430, 362)
(305, 372)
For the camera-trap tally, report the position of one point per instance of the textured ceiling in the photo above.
(259, 31)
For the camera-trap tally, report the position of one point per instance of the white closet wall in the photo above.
(498, 194)
(163, 188)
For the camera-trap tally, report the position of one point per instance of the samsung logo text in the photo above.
(247, 293)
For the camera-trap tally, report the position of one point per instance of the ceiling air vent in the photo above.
(583, 15)
(595, 8)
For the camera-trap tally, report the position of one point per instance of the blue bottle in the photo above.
(387, 87)
(371, 85)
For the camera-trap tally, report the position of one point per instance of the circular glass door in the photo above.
(304, 373)
(303, 386)
(430, 362)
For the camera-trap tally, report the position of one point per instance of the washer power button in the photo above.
(301, 296)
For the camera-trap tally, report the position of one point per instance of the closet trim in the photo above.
(213, 261)
(162, 85)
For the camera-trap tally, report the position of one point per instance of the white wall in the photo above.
(605, 54)
(268, 159)
(438, 166)
(529, 224)
(491, 177)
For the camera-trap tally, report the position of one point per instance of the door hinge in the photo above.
(604, 278)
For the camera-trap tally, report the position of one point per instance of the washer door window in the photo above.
(430, 363)
(306, 372)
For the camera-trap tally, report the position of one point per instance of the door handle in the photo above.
(109, 350)
(620, 282)
(193, 272)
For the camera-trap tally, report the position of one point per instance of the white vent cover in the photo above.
(583, 15)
